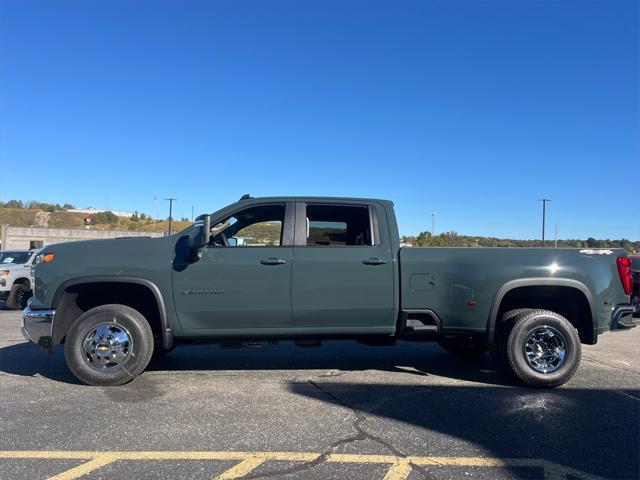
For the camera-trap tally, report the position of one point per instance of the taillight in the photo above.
(624, 270)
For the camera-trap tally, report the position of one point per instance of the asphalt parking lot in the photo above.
(339, 411)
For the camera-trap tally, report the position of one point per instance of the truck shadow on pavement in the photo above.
(332, 359)
(584, 433)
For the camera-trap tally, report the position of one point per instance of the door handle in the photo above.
(273, 261)
(374, 261)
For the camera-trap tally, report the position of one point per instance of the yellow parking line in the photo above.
(76, 472)
(399, 468)
(286, 456)
(241, 469)
(398, 471)
(473, 461)
(49, 454)
(358, 458)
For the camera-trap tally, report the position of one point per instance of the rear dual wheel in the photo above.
(540, 348)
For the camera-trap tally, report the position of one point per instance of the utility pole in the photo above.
(555, 236)
(544, 214)
(155, 207)
(433, 224)
(170, 200)
(191, 213)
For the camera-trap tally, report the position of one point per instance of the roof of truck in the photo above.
(316, 199)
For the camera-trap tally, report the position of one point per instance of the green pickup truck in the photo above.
(307, 269)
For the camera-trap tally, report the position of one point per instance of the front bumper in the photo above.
(37, 327)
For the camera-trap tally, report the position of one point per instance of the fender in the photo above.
(167, 333)
(533, 282)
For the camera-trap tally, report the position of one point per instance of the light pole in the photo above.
(170, 200)
(433, 224)
(555, 236)
(544, 214)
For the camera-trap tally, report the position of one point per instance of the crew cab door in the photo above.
(343, 271)
(243, 279)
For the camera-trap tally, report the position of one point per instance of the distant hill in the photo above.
(32, 217)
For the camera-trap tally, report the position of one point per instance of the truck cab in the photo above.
(340, 280)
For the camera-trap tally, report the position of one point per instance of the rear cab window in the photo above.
(329, 225)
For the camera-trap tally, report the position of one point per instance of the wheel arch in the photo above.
(587, 327)
(23, 281)
(65, 297)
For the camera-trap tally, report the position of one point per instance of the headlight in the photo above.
(44, 258)
(4, 273)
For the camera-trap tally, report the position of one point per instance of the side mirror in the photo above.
(200, 237)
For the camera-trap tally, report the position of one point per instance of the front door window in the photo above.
(259, 226)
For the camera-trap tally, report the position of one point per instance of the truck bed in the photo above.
(459, 285)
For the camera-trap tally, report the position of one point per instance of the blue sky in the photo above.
(472, 109)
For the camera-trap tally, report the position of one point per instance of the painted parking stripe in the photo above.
(76, 472)
(241, 469)
(400, 470)
(399, 467)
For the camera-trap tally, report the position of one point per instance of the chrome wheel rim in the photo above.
(107, 346)
(545, 349)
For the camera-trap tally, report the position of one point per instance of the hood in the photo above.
(118, 256)
(13, 266)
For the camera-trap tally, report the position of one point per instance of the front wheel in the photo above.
(109, 345)
(542, 349)
(18, 297)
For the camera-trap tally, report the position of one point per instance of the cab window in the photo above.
(338, 225)
(258, 226)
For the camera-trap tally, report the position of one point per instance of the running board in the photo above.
(416, 326)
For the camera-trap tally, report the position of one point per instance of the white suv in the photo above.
(16, 280)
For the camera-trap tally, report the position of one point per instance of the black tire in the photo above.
(119, 318)
(464, 349)
(498, 348)
(19, 296)
(531, 321)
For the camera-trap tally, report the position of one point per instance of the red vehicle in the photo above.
(635, 294)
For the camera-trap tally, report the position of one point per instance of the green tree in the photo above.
(13, 204)
(104, 218)
(423, 239)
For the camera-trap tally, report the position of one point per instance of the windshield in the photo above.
(14, 257)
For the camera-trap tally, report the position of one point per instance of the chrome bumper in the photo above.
(37, 327)
(619, 312)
